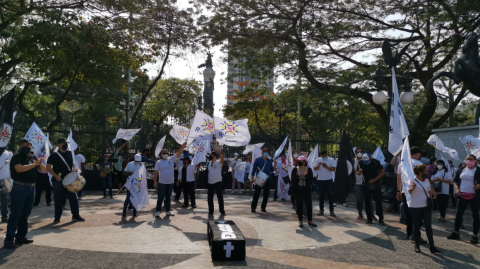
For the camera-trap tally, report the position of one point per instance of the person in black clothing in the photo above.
(302, 178)
(43, 183)
(372, 172)
(186, 181)
(59, 164)
(224, 174)
(22, 168)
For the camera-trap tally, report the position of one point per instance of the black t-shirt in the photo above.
(370, 171)
(58, 164)
(29, 176)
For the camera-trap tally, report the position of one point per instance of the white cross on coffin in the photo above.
(228, 248)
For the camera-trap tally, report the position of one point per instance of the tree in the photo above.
(326, 40)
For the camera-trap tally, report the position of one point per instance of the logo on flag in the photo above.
(229, 128)
(37, 137)
(183, 133)
(5, 133)
(138, 183)
(208, 126)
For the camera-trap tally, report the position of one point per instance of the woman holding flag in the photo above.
(302, 178)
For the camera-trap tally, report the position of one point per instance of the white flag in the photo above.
(378, 155)
(471, 144)
(125, 134)
(47, 154)
(282, 189)
(240, 172)
(290, 159)
(180, 133)
(408, 176)
(232, 133)
(251, 148)
(436, 142)
(398, 125)
(311, 160)
(201, 155)
(280, 149)
(159, 146)
(256, 153)
(137, 185)
(72, 146)
(37, 138)
(202, 127)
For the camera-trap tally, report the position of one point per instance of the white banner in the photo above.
(407, 169)
(311, 160)
(125, 134)
(179, 133)
(240, 171)
(398, 125)
(159, 146)
(72, 146)
(202, 127)
(251, 148)
(137, 185)
(290, 159)
(282, 189)
(232, 133)
(280, 149)
(471, 144)
(256, 153)
(378, 155)
(38, 139)
(201, 155)
(436, 142)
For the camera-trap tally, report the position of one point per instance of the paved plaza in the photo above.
(274, 239)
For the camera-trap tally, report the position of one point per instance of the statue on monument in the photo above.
(208, 63)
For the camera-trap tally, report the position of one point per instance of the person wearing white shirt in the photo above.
(117, 162)
(81, 162)
(131, 168)
(324, 167)
(416, 154)
(214, 167)
(246, 178)
(177, 189)
(281, 174)
(235, 182)
(5, 159)
(186, 179)
(453, 171)
(420, 192)
(358, 189)
(163, 179)
(441, 179)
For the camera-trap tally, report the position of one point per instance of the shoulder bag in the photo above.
(261, 177)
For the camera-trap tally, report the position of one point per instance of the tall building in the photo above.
(238, 74)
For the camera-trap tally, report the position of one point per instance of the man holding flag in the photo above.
(265, 165)
(139, 185)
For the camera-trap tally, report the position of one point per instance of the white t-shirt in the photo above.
(5, 171)
(404, 181)
(247, 167)
(323, 173)
(233, 163)
(445, 176)
(165, 170)
(358, 178)
(418, 197)
(178, 165)
(132, 167)
(280, 166)
(214, 172)
(190, 173)
(467, 176)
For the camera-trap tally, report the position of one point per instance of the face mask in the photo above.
(470, 163)
(65, 146)
(265, 154)
(366, 162)
(424, 176)
(210, 158)
(439, 167)
(25, 150)
(300, 164)
(165, 156)
(324, 158)
(359, 155)
(295, 155)
(283, 159)
(137, 163)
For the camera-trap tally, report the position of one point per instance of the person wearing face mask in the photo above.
(43, 182)
(60, 164)
(117, 161)
(248, 183)
(358, 189)
(177, 187)
(420, 191)
(325, 166)
(214, 185)
(105, 168)
(402, 181)
(164, 179)
(453, 172)
(372, 171)
(302, 178)
(186, 176)
(22, 195)
(467, 189)
(265, 165)
(129, 170)
(441, 179)
(282, 173)
(432, 167)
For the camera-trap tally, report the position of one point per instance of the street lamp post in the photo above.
(127, 108)
(280, 112)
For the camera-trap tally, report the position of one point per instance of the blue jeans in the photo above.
(22, 198)
(164, 193)
(107, 184)
(126, 203)
(4, 201)
(59, 192)
(359, 198)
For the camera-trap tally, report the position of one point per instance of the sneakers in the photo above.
(23, 241)
(264, 210)
(334, 204)
(332, 214)
(474, 240)
(381, 223)
(253, 211)
(434, 250)
(124, 216)
(368, 222)
(321, 213)
(194, 206)
(184, 205)
(454, 236)
(374, 218)
(9, 245)
(311, 224)
(78, 219)
(56, 221)
(157, 214)
(360, 216)
(170, 213)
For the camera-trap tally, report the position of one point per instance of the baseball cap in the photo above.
(366, 157)
(61, 140)
(138, 157)
(265, 149)
(302, 158)
(24, 140)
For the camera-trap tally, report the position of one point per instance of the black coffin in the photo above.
(226, 241)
